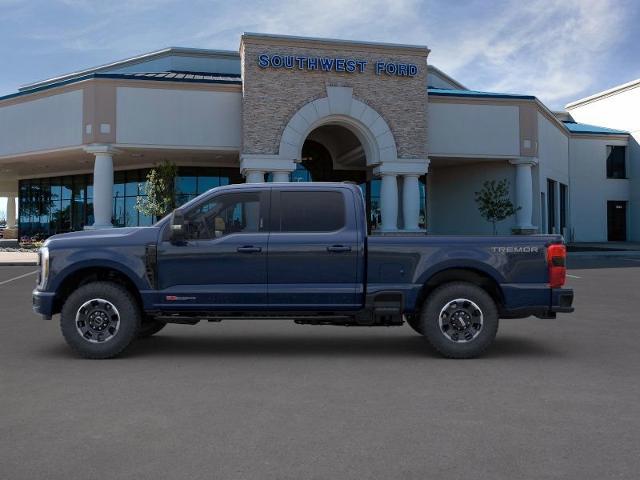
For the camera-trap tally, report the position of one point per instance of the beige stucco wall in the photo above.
(459, 129)
(184, 118)
(272, 96)
(453, 209)
(50, 122)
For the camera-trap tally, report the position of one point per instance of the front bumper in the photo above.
(42, 303)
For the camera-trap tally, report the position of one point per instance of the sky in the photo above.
(558, 50)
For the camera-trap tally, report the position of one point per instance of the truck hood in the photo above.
(90, 238)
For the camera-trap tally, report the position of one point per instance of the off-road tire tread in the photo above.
(129, 319)
(431, 310)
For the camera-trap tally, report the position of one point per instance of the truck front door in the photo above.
(222, 264)
(315, 251)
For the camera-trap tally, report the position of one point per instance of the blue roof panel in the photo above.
(575, 127)
(444, 92)
(171, 76)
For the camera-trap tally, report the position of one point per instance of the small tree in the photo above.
(494, 203)
(160, 191)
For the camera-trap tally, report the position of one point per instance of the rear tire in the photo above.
(100, 319)
(150, 326)
(459, 320)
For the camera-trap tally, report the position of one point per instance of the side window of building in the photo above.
(224, 215)
(616, 161)
(311, 211)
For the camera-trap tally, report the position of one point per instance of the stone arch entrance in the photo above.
(374, 156)
(340, 108)
(338, 138)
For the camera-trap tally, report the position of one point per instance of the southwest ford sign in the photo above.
(331, 64)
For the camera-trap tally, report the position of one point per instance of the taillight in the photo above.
(557, 261)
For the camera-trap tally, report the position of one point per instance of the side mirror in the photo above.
(177, 227)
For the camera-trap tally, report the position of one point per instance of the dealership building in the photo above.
(75, 149)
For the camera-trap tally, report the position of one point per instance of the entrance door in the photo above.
(222, 265)
(617, 221)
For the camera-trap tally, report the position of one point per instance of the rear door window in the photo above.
(311, 211)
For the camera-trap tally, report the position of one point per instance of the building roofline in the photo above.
(604, 93)
(119, 76)
(593, 129)
(445, 92)
(446, 76)
(336, 41)
(131, 61)
(562, 125)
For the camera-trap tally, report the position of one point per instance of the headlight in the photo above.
(43, 260)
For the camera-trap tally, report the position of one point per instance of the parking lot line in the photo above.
(18, 277)
(573, 276)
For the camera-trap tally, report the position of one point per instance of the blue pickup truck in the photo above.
(298, 251)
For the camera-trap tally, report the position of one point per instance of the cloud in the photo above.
(547, 48)
(556, 49)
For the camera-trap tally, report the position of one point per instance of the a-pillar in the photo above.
(524, 194)
(102, 185)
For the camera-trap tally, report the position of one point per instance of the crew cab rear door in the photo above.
(314, 249)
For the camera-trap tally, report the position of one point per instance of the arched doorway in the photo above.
(340, 138)
(333, 153)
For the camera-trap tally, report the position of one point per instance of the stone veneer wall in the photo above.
(271, 96)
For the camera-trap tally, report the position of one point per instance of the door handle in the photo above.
(339, 248)
(249, 249)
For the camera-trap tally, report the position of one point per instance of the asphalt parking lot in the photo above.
(273, 400)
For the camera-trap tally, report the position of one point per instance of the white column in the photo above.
(254, 176)
(524, 192)
(410, 170)
(410, 201)
(280, 176)
(102, 185)
(389, 202)
(11, 212)
(254, 166)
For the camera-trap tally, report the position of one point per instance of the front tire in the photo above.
(459, 320)
(100, 319)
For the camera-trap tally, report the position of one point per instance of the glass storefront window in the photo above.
(65, 216)
(118, 219)
(186, 185)
(131, 214)
(67, 188)
(118, 184)
(61, 204)
(89, 181)
(207, 183)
